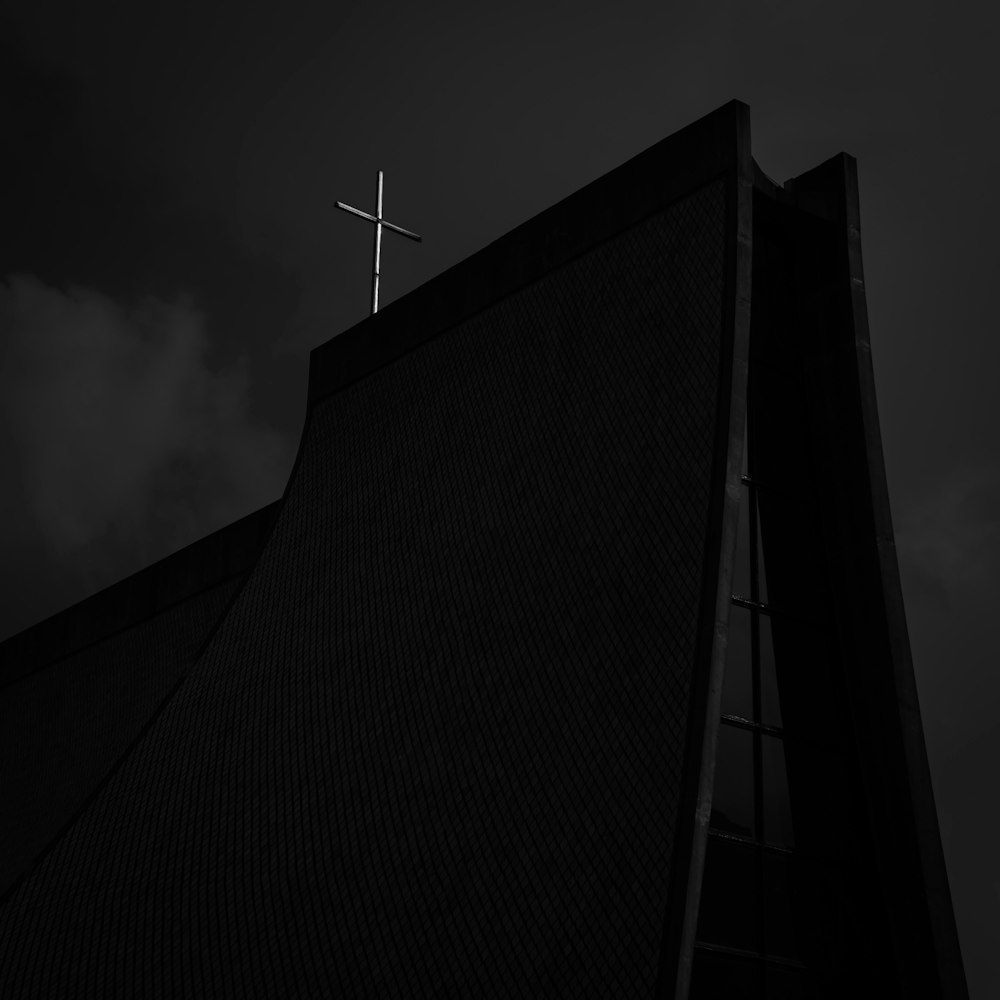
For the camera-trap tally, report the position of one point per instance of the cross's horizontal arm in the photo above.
(401, 231)
(354, 211)
(388, 225)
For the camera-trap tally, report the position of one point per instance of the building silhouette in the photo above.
(572, 662)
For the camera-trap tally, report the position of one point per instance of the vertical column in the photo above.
(378, 243)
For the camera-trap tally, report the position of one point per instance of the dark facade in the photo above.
(504, 703)
(77, 690)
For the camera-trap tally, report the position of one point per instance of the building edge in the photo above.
(681, 918)
(214, 559)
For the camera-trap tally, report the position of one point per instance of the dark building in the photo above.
(572, 662)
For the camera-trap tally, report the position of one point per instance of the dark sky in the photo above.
(170, 252)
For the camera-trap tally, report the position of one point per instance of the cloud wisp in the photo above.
(951, 538)
(122, 442)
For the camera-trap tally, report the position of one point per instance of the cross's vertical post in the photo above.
(378, 243)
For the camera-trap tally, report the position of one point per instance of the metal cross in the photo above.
(379, 223)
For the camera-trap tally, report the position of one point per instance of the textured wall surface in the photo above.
(435, 747)
(63, 727)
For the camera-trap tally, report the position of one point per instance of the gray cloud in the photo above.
(949, 547)
(950, 538)
(126, 442)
